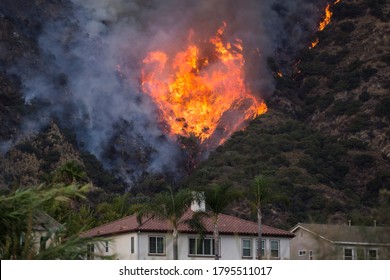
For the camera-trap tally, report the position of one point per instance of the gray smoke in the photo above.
(81, 85)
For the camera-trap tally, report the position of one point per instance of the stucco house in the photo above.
(340, 242)
(153, 240)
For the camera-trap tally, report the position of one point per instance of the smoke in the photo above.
(90, 69)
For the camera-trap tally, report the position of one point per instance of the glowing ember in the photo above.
(196, 91)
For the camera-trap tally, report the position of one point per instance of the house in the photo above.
(43, 229)
(340, 242)
(153, 239)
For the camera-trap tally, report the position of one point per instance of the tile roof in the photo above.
(348, 234)
(226, 225)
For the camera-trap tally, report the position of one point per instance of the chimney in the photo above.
(198, 202)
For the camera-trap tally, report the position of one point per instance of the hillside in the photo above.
(325, 140)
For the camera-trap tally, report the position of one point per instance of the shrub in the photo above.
(364, 160)
(360, 122)
(345, 107)
(364, 96)
(382, 108)
(347, 26)
(354, 143)
(368, 72)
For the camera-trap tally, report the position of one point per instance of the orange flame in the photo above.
(193, 90)
(326, 20)
(313, 44)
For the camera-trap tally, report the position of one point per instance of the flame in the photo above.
(313, 44)
(195, 91)
(324, 23)
(326, 20)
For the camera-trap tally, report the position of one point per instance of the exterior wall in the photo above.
(231, 247)
(325, 250)
(305, 241)
(119, 246)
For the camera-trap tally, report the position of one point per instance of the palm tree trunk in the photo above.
(259, 233)
(216, 239)
(175, 245)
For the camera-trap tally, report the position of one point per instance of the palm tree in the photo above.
(259, 194)
(18, 212)
(217, 198)
(170, 206)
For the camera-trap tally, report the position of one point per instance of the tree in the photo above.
(18, 212)
(217, 198)
(259, 194)
(170, 206)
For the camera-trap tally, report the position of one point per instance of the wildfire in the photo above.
(195, 90)
(313, 44)
(324, 23)
(326, 20)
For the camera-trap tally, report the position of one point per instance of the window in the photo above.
(262, 247)
(247, 248)
(132, 245)
(372, 254)
(274, 249)
(348, 254)
(201, 247)
(302, 252)
(106, 246)
(156, 245)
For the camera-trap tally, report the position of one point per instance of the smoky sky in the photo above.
(88, 77)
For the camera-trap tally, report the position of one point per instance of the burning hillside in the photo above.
(184, 68)
(195, 89)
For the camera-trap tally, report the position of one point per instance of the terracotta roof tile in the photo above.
(226, 225)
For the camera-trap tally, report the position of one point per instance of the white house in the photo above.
(153, 240)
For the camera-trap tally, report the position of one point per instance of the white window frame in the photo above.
(368, 253)
(202, 254)
(352, 253)
(156, 238)
(250, 256)
(278, 250)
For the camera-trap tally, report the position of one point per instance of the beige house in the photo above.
(153, 240)
(340, 242)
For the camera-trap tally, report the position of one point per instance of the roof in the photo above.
(226, 225)
(44, 222)
(345, 234)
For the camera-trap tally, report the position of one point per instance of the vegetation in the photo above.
(260, 193)
(170, 206)
(18, 213)
(217, 198)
